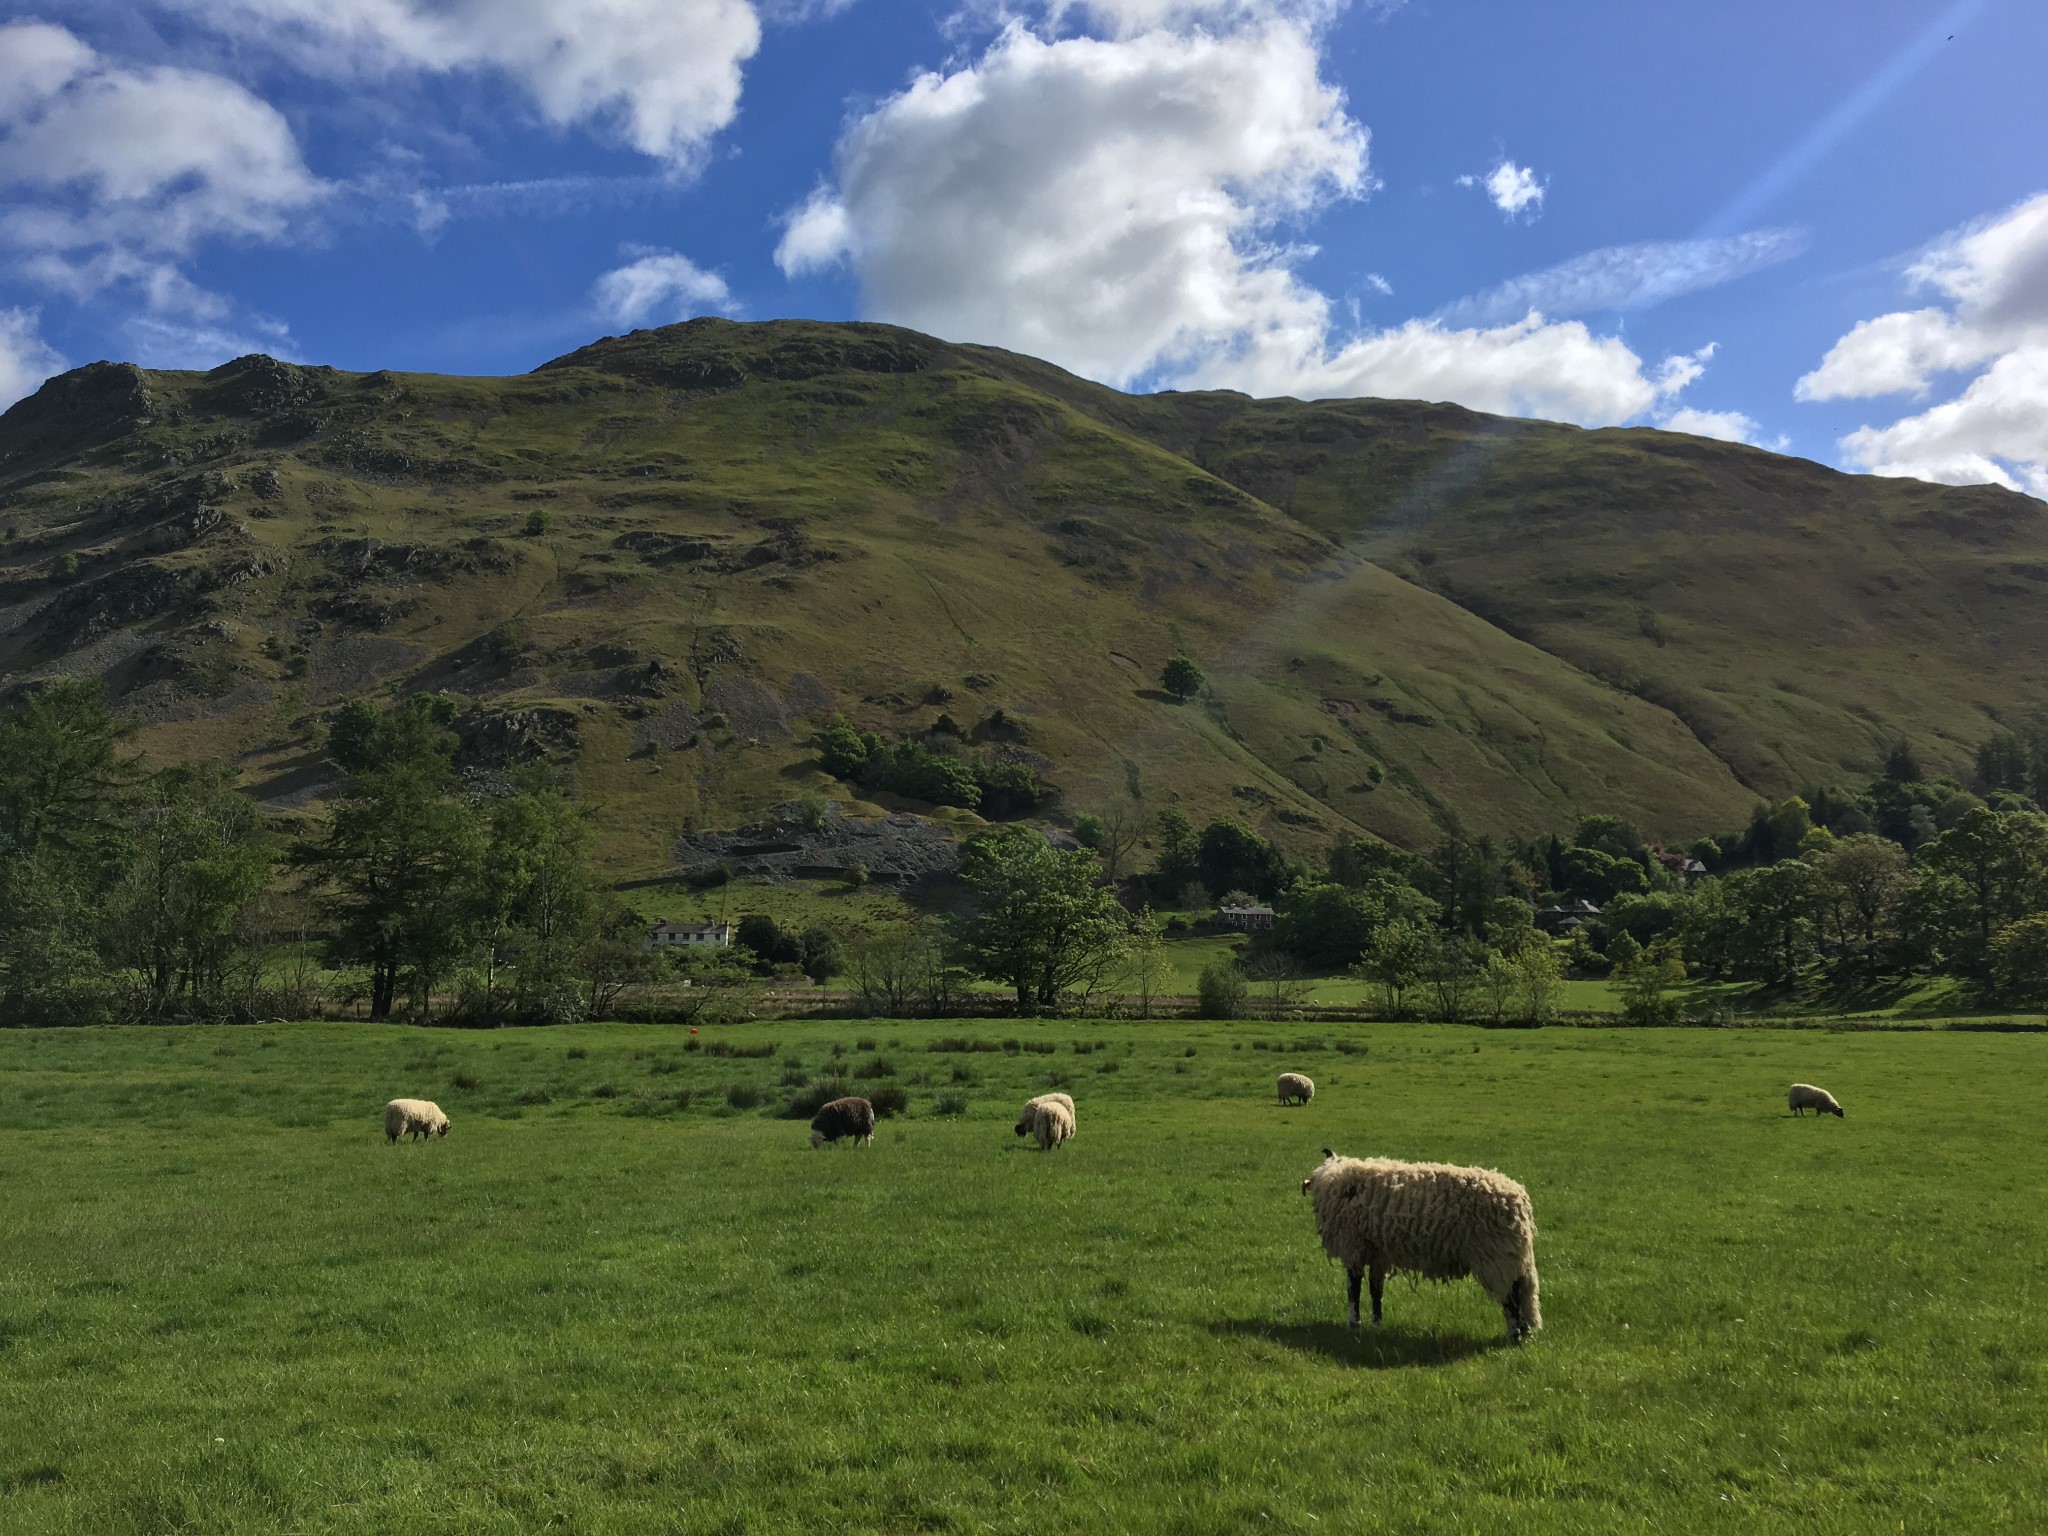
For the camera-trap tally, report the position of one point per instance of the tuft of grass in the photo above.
(577, 1053)
(743, 1096)
(468, 1082)
(949, 1104)
(874, 1067)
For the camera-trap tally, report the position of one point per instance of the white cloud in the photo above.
(1993, 276)
(25, 358)
(118, 173)
(664, 75)
(1378, 284)
(1115, 205)
(158, 341)
(1513, 188)
(1534, 367)
(1724, 426)
(658, 281)
(1106, 204)
(1622, 277)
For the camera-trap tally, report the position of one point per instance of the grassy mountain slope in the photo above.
(747, 527)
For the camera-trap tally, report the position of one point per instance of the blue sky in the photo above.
(1816, 226)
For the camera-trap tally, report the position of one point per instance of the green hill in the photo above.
(666, 557)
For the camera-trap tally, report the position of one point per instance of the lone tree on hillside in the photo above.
(1182, 678)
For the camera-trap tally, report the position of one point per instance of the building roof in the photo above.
(1245, 911)
(663, 925)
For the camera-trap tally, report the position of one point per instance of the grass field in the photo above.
(227, 1305)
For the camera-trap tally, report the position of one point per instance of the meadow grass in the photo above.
(609, 1301)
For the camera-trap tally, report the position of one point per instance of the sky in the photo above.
(1818, 226)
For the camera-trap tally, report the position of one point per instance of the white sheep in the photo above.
(1296, 1087)
(1049, 1117)
(417, 1118)
(1805, 1096)
(1381, 1217)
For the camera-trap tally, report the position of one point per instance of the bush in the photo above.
(814, 1096)
(605, 1091)
(874, 1067)
(888, 1101)
(1223, 991)
(743, 1096)
(950, 1104)
(536, 524)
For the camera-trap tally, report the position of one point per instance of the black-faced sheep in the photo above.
(1380, 1217)
(844, 1117)
(1296, 1088)
(1805, 1096)
(1049, 1117)
(417, 1118)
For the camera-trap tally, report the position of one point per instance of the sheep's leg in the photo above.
(1516, 1307)
(1353, 1278)
(1379, 1289)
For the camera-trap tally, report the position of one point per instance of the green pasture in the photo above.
(624, 1296)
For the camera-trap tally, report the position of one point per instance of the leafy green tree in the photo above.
(179, 919)
(1755, 923)
(1539, 981)
(1035, 919)
(842, 751)
(1326, 926)
(1862, 883)
(1231, 856)
(399, 861)
(1182, 678)
(821, 954)
(1223, 991)
(1999, 863)
(2019, 960)
(1394, 960)
(539, 897)
(1645, 981)
(1178, 861)
(352, 736)
(1146, 967)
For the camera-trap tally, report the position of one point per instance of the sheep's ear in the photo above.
(1328, 1154)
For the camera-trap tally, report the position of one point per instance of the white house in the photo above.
(697, 935)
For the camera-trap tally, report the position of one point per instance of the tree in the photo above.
(1182, 678)
(352, 736)
(1178, 860)
(1862, 882)
(179, 918)
(1999, 863)
(1222, 990)
(1539, 982)
(1034, 917)
(1231, 855)
(821, 954)
(1146, 966)
(1645, 981)
(538, 896)
(1113, 833)
(399, 860)
(1393, 960)
(892, 968)
(2019, 960)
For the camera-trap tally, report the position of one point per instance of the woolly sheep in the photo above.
(1805, 1096)
(1296, 1087)
(844, 1117)
(413, 1117)
(1049, 1117)
(1379, 1216)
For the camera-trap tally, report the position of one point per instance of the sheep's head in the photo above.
(817, 1137)
(1024, 1123)
(1841, 1113)
(442, 1128)
(1307, 1182)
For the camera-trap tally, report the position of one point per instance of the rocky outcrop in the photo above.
(901, 849)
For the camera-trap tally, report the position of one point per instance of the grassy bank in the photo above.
(612, 1301)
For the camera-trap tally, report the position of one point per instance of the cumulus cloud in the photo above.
(664, 75)
(117, 173)
(25, 358)
(1724, 426)
(658, 282)
(1993, 280)
(1625, 277)
(1120, 205)
(1513, 189)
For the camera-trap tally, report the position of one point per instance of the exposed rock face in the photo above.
(518, 736)
(902, 849)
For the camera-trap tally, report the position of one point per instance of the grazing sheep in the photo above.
(1379, 1216)
(844, 1117)
(413, 1117)
(1049, 1117)
(1296, 1087)
(1805, 1096)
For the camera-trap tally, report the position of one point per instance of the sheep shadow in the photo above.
(1387, 1348)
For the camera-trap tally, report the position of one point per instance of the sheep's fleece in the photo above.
(1049, 1117)
(1296, 1085)
(414, 1117)
(1805, 1096)
(1441, 1222)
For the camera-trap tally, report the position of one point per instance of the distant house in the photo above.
(1694, 869)
(1249, 919)
(666, 934)
(1567, 918)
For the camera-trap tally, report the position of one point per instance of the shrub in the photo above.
(1189, 1051)
(536, 524)
(874, 1067)
(605, 1091)
(888, 1101)
(813, 1096)
(1223, 991)
(950, 1104)
(743, 1096)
